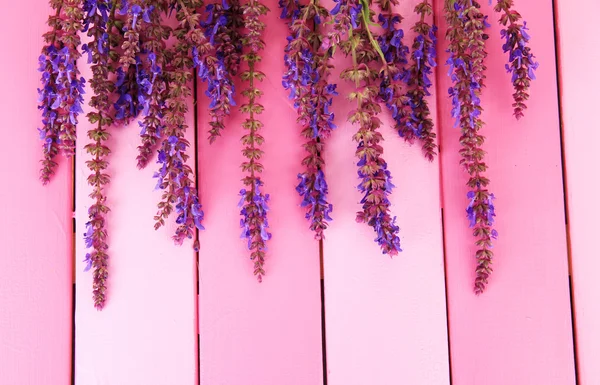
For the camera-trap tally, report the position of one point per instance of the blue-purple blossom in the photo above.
(213, 67)
(466, 70)
(521, 61)
(306, 79)
(173, 175)
(386, 229)
(254, 214)
(61, 94)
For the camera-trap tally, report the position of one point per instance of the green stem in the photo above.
(365, 16)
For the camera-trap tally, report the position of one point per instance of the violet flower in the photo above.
(61, 94)
(375, 178)
(175, 177)
(220, 31)
(419, 80)
(253, 201)
(521, 62)
(466, 23)
(391, 84)
(134, 81)
(95, 236)
(152, 93)
(308, 68)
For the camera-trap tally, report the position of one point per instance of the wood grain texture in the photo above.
(519, 330)
(254, 333)
(147, 333)
(579, 54)
(385, 318)
(35, 220)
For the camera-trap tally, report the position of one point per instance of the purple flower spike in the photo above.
(404, 90)
(61, 94)
(521, 62)
(306, 79)
(419, 81)
(375, 179)
(221, 28)
(95, 236)
(174, 176)
(466, 69)
(254, 202)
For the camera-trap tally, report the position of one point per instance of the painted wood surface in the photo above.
(254, 333)
(35, 220)
(519, 330)
(579, 53)
(385, 318)
(147, 332)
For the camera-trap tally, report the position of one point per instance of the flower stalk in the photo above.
(308, 68)
(375, 178)
(521, 62)
(466, 33)
(253, 201)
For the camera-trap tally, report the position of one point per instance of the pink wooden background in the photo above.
(177, 317)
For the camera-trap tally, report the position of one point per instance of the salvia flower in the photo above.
(219, 28)
(521, 62)
(253, 202)
(419, 80)
(395, 52)
(152, 98)
(175, 177)
(306, 77)
(466, 23)
(62, 88)
(375, 179)
(95, 236)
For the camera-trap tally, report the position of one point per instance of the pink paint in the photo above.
(147, 332)
(35, 225)
(580, 80)
(385, 318)
(519, 330)
(265, 333)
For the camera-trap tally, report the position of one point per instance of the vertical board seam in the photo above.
(438, 103)
(323, 328)
(197, 253)
(557, 51)
(73, 258)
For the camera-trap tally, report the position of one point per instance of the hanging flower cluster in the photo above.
(144, 55)
(253, 201)
(306, 79)
(467, 39)
(62, 88)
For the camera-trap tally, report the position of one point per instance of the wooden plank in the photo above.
(385, 318)
(265, 333)
(35, 220)
(147, 333)
(519, 330)
(579, 80)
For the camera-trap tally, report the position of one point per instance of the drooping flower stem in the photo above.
(466, 25)
(253, 201)
(175, 177)
(96, 24)
(61, 95)
(391, 87)
(308, 69)
(49, 132)
(376, 185)
(423, 57)
(521, 62)
(154, 35)
(221, 29)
